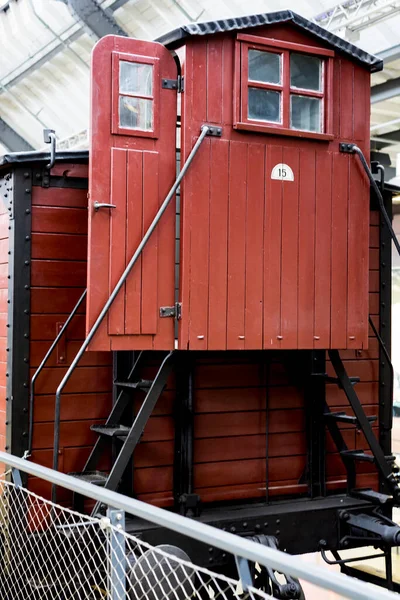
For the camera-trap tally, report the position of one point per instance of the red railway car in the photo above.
(238, 288)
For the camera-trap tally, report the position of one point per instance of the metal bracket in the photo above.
(173, 84)
(171, 311)
(213, 131)
(117, 573)
(346, 148)
(190, 502)
(243, 568)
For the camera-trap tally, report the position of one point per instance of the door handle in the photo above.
(97, 205)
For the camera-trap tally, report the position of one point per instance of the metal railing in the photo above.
(56, 550)
(204, 131)
(40, 368)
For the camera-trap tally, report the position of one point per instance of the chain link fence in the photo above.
(50, 552)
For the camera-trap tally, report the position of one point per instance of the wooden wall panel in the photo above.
(59, 252)
(314, 239)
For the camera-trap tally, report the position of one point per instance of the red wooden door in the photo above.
(132, 166)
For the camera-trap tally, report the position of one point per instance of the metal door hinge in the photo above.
(173, 84)
(171, 311)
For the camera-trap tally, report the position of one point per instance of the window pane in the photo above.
(305, 113)
(135, 113)
(264, 66)
(305, 72)
(135, 78)
(264, 105)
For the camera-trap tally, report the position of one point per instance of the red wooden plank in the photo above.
(54, 196)
(346, 99)
(199, 186)
(85, 379)
(59, 220)
(54, 301)
(116, 315)
(306, 248)
(357, 259)
(134, 234)
(214, 80)
(199, 70)
(290, 249)
(272, 251)
(90, 359)
(361, 89)
(339, 275)
(227, 79)
(323, 234)
(238, 153)
(55, 273)
(149, 308)
(59, 246)
(44, 327)
(254, 243)
(90, 406)
(218, 257)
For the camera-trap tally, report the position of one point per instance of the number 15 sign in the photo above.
(282, 172)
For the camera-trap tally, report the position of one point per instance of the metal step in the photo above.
(96, 477)
(328, 379)
(341, 417)
(372, 496)
(142, 384)
(358, 455)
(111, 430)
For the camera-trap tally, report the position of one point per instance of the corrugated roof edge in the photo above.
(173, 38)
(38, 156)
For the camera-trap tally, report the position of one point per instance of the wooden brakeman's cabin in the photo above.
(270, 255)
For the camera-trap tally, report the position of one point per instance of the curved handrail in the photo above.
(354, 148)
(40, 367)
(204, 130)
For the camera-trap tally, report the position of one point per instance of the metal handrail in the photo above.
(204, 130)
(40, 367)
(354, 148)
(211, 536)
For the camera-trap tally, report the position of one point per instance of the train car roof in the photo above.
(18, 158)
(176, 37)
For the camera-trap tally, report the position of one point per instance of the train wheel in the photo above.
(154, 575)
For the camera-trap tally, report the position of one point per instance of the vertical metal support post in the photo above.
(243, 568)
(315, 399)
(18, 318)
(385, 307)
(117, 555)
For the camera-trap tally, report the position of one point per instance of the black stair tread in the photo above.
(343, 418)
(96, 477)
(141, 384)
(329, 379)
(358, 455)
(111, 430)
(372, 496)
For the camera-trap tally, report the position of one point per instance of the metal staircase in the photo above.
(115, 430)
(375, 455)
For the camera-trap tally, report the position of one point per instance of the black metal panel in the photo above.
(174, 38)
(298, 525)
(385, 324)
(44, 157)
(18, 322)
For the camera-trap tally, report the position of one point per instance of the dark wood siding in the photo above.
(58, 277)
